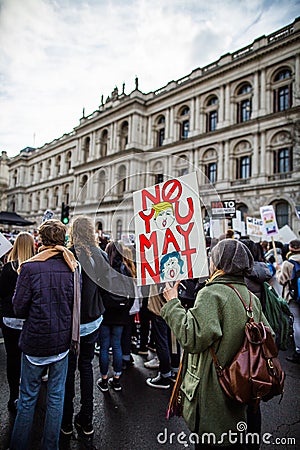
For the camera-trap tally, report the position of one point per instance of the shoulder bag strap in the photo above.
(249, 311)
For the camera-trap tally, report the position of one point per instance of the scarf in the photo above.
(46, 252)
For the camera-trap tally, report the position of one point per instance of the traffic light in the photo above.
(65, 213)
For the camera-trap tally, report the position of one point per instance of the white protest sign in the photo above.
(237, 222)
(254, 226)
(5, 245)
(170, 241)
(269, 220)
(286, 234)
(216, 228)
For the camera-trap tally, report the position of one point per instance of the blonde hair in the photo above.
(162, 206)
(82, 234)
(128, 260)
(23, 248)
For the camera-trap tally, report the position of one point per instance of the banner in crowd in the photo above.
(254, 226)
(170, 241)
(269, 220)
(5, 245)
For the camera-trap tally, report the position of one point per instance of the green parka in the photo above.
(218, 318)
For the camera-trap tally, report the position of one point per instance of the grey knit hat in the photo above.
(232, 256)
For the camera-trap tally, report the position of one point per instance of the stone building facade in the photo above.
(4, 180)
(235, 122)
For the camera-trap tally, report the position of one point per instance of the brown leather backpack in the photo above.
(255, 372)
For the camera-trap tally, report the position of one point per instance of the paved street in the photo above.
(134, 419)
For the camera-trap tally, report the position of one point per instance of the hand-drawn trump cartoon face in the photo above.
(164, 215)
(171, 266)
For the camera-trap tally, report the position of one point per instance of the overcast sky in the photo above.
(58, 56)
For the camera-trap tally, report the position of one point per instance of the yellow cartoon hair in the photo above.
(162, 206)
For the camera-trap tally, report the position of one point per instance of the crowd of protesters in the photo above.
(62, 304)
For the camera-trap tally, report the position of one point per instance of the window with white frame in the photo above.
(122, 180)
(243, 103)
(86, 148)
(282, 90)
(123, 135)
(209, 165)
(211, 111)
(282, 213)
(243, 156)
(184, 122)
(103, 143)
(160, 130)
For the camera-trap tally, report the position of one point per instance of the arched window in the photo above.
(123, 135)
(69, 161)
(46, 199)
(12, 207)
(211, 111)
(160, 131)
(15, 177)
(184, 122)
(282, 153)
(282, 90)
(40, 170)
(158, 172)
(119, 229)
(57, 165)
(101, 178)
(56, 197)
(86, 148)
(243, 153)
(83, 185)
(282, 213)
(243, 102)
(103, 143)
(48, 168)
(182, 165)
(244, 211)
(122, 180)
(210, 159)
(30, 203)
(66, 197)
(32, 174)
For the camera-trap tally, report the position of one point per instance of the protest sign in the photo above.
(269, 220)
(223, 209)
(5, 245)
(254, 226)
(170, 241)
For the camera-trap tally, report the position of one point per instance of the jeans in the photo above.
(162, 336)
(110, 336)
(85, 367)
(13, 360)
(126, 338)
(31, 376)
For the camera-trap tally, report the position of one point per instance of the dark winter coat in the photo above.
(94, 273)
(124, 286)
(8, 280)
(44, 297)
(255, 281)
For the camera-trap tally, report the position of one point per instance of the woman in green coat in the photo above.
(217, 319)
